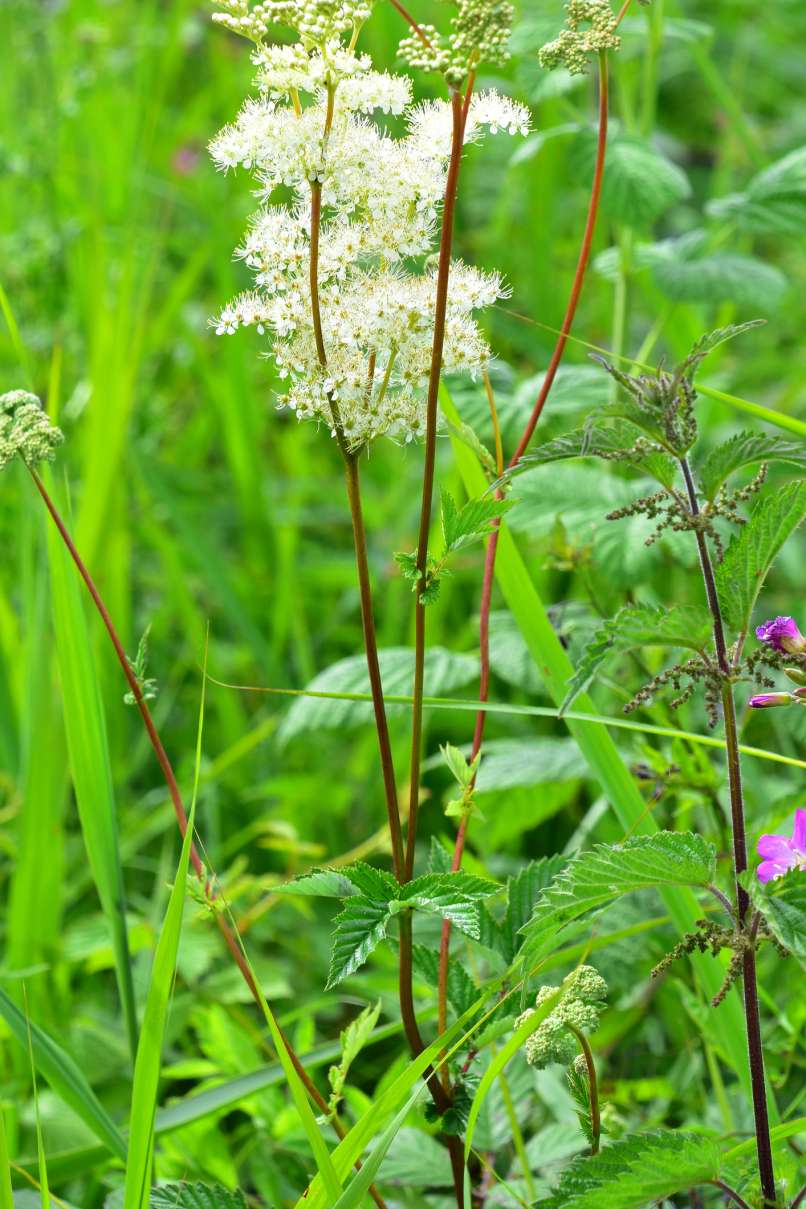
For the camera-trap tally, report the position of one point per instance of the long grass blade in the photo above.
(90, 767)
(6, 1194)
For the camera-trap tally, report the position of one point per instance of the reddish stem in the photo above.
(176, 797)
(407, 17)
(492, 541)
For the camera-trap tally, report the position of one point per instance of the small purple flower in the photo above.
(782, 634)
(782, 854)
(769, 700)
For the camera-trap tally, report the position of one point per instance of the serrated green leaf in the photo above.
(360, 928)
(319, 883)
(746, 449)
(453, 896)
(195, 1196)
(353, 1039)
(774, 202)
(595, 878)
(439, 857)
(721, 277)
(374, 883)
(462, 992)
(510, 763)
(741, 574)
(461, 526)
(444, 671)
(598, 440)
(782, 902)
(636, 626)
(639, 184)
(636, 1172)
(523, 891)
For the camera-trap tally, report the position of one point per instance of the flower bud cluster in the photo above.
(573, 46)
(580, 1006)
(479, 34)
(315, 21)
(379, 199)
(26, 430)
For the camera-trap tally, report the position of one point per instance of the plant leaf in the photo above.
(464, 525)
(353, 1039)
(741, 574)
(634, 626)
(462, 991)
(597, 877)
(319, 883)
(195, 1196)
(454, 896)
(596, 440)
(635, 1172)
(360, 928)
(782, 902)
(746, 449)
(720, 277)
(640, 183)
(774, 202)
(444, 671)
(523, 891)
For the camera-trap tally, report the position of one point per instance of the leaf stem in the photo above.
(176, 797)
(751, 1008)
(731, 1192)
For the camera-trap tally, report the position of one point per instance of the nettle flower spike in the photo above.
(583, 997)
(590, 27)
(26, 430)
(782, 853)
(479, 34)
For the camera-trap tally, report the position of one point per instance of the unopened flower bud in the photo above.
(770, 700)
(796, 675)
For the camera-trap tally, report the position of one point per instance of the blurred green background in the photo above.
(195, 502)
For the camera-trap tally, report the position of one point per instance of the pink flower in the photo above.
(782, 634)
(782, 854)
(769, 700)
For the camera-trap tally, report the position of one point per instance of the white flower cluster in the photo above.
(580, 1005)
(380, 198)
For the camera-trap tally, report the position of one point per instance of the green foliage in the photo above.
(616, 441)
(353, 1039)
(687, 272)
(640, 183)
(746, 449)
(774, 202)
(363, 923)
(460, 527)
(635, 627)
(444, 672)
(631, 1173)
(195, 1196)
(751, 553)
(596, 878)
(139, 665)
(782, 903)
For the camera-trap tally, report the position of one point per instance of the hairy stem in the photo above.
(176, 797)
(751, 1008)
(593, 1085)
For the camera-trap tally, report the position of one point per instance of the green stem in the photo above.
(517, 1135)
(751, 1008)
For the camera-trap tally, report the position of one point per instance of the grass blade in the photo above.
(90, 768)
(6, 1195)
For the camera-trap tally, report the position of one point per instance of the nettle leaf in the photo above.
(640, 183)
(462, 992)
(510, 763)
(746, 449)
(741, 574)
(195, 1196)
(373, 883)
(352, 1039)
(713, 339)
(596, 878)
(444, 671)
(774, 202)
(461, 526)
(601, 440)
(638, 1171)
(782, 902)
(510, 657)
(360, 928)
(635, 626)
(523, 891)
(687, 272)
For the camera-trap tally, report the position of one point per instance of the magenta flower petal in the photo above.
(783, 634)
(768, 871)
(775, 848)
(799, 832)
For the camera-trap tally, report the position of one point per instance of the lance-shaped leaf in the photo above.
(596, 878)
(746, 449)
(635, 626)
(461, 526)
(603, 441)
(319, 883)
(636, 1172)
(741, 574)
(782, 902)
(195, 1196)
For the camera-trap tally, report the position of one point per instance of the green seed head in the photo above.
(580, 1005)
(590, 27)
(26, 430)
